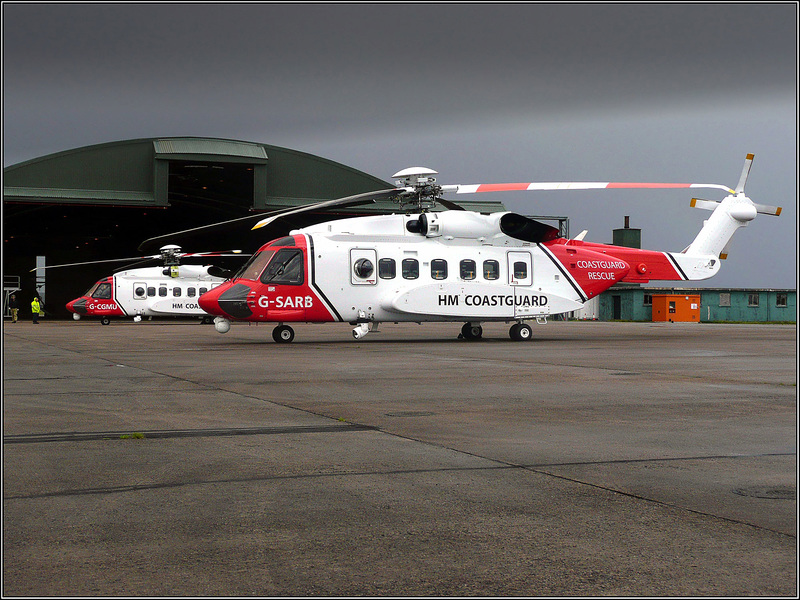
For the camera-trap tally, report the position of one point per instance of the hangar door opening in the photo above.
(219, 188)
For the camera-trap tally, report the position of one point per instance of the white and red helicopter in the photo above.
(169, 290)
(454, 265)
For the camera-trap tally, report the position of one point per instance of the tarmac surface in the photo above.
(627, 459)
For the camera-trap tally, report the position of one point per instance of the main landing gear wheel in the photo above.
(105, 320)
(283, 334)
(521, 332)
(471, 332)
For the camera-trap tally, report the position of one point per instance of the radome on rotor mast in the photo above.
(456, 265)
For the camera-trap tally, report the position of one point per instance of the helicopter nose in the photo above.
(78, 306)
(209, 301)
(227, 300)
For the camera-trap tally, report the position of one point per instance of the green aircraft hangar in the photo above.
(126, 199)
(108, 201)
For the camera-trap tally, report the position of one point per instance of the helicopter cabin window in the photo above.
(102, 292)
(203, 290)
(467, 269)
(176, 291)
(491, 269)
(520, 270)
(191, 292)
(439, 268)
(139, 291)
(410, 268)
(151, 291)
(286, 267)
(387, 268)
(363, 268)
(162, 291)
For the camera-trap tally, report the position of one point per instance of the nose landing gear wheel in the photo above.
(283, 334)
(471, 332)
(521, 332)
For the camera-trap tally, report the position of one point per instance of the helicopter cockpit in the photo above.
(280, 266)
(100, 291)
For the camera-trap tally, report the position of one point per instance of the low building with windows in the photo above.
(634, 303)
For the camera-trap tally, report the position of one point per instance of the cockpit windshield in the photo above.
(286, 268)
(253, 267)
(100, 290)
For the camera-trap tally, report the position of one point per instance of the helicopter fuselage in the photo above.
(147, 292)
(452, 266)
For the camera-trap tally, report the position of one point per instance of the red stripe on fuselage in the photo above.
(645, 265)
(594, 272)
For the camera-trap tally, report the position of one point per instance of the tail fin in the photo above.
(733, 212)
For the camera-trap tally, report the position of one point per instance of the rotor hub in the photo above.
(420, 189)
(171, 254)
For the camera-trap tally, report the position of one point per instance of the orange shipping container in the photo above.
(676, 308)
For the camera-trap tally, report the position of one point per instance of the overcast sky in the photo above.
(482, 93)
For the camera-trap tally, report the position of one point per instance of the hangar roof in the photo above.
(153, 171)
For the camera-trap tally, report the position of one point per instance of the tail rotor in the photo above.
(734, 211)
(748, 162)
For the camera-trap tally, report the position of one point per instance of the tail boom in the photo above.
(652, 265)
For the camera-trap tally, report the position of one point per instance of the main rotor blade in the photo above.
(94, 262)
(236, 253)
(168, 236)
(140, 259)
(571, 185)
(138, 263)
(366, 198)
(449, 205)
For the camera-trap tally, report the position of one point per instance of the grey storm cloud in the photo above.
(481, 92)
(400, 60)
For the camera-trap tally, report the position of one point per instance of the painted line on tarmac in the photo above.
(179, 433)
